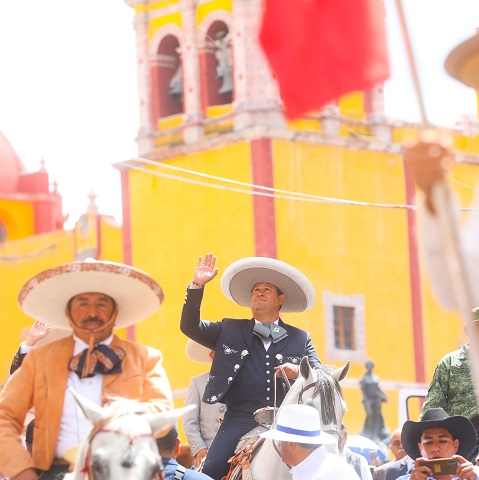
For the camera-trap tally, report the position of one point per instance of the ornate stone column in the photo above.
(257, 100)
(145, 131)
(193, 115)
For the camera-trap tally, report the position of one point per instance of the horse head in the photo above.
(122, 442)
(320, 388)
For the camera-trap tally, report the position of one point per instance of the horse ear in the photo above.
(93, 412)
(341, 372)
(162, 422)
(305, 368)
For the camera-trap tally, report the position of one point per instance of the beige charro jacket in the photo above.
(41, 383)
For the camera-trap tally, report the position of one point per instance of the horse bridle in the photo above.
(98, 428)
(305, 389)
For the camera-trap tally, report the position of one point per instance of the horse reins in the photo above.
(305, 389)
(288, 384)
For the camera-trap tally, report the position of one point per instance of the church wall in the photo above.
(19, 261)
(111, 240)
(175, 222)
(18, 218)
(365, 255)
(346, 250)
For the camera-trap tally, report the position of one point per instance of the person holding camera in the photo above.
(440, 443)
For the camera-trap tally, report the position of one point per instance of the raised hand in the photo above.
(430, 159)
(205, 270)
(38, 331)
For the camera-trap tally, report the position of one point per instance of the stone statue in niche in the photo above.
(223, 57)
(175, 87)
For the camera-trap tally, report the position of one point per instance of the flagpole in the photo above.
(412, 62)
(457, 268)
(449, 229)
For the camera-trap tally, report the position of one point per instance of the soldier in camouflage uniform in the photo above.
(451, 387)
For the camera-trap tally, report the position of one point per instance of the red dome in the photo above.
(10, 166)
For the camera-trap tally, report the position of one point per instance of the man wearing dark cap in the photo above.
(250, 354)
(436, 436)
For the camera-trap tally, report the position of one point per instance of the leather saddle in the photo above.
(249, 444)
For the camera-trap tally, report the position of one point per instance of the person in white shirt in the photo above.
(301, 445)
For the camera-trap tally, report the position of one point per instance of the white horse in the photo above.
(318, 387)
(121, 444)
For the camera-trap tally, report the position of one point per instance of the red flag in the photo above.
(322, 49)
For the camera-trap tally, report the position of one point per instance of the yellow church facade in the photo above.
(361, 255)
(221, 170)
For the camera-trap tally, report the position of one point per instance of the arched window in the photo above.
(167, 79)
(217, 66)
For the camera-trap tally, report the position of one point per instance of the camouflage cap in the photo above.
(475, 314)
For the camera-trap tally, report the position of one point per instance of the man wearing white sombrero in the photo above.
(92, 298)
(250, 354)
(301, 444)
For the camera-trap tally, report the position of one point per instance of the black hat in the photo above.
(459, 426)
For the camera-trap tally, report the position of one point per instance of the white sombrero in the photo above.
(46, 295)
(462, 63)
(299, 423)
(241, 276)
(197, 352)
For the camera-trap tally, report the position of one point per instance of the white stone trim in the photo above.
(357, 302)
(216, 15)
(159, 35)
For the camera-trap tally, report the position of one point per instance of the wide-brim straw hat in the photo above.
(241, 276)
(459, 426)
(197, 352)
(462, 63)
(299, 423)
(45, 296)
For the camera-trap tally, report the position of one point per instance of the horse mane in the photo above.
(328, 387)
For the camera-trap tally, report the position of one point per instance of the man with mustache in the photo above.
(92, 298)
(251, 355)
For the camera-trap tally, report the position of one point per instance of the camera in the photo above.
(441, 466)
